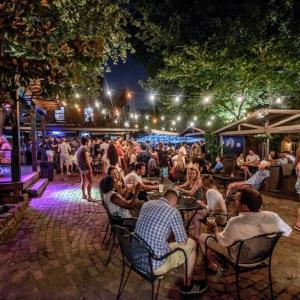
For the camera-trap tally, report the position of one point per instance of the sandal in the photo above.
(296, 227)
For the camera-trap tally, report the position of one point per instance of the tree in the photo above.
(242, 53)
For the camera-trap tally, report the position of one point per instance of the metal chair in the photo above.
(112, 221)
(249, 255)
(134, 249)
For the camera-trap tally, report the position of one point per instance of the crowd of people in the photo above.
(130, 171)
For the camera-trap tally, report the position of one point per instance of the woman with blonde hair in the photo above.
(193, 185)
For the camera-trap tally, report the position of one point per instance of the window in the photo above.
(59, 114)
(88, 115)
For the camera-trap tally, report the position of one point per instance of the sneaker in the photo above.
(195, 289)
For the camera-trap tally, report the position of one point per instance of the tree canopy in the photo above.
(241, 53)
(62, 42)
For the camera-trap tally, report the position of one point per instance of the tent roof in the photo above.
(192, 131)
(163, 132)
(265, 120)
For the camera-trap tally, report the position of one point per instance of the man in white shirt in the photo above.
(134, 180)
(64, 150)
(104, 146)
(252, 157)
(249, 223)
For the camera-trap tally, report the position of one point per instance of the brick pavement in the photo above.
(57, 254)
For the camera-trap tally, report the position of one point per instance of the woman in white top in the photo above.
(214, 204)
(116, 204)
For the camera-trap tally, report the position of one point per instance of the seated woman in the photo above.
(214, 204)
(115, 202)
(193, 185)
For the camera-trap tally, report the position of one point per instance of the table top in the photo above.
(227, 177)
(187, 204)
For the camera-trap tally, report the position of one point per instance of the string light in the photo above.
(131, 116)
(116, 121)
(126, 124)
(77, 96)
(152, 97)
(136, 126)
(195, 118)
(78, 109)
(207, 99)
(173, 122)
(192, 124)
(117, 113)
(208, 123)
(146, 127)
(240, 99)
(162, 118)
(108, 92)
(154, 120)
(212, 117)
(177, 99)
(147, 117)
(129, 96)
(163, 128)
(278, 100)
(136, 116)
(103, 111)
(97, 104)
(178, 118)
(76, 105)
(64, 103)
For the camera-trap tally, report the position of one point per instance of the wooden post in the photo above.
(33, 137)
(221, 144)
(267, 144)
(43, 126)
(16, 159)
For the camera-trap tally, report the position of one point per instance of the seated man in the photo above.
(255, 180)
(249, 223)
(134, 180)
(252, 157)
(218, 166)
(157, 220)
(282, 160)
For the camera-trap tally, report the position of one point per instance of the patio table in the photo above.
(187, 204)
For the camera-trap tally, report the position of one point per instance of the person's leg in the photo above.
(190, 265)
(201, 215)
(89, 186)
(82, 185)
(61, 165)
(67, 166)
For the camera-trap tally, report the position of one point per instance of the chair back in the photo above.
(114, 220)
(136, 251)
(254, 250)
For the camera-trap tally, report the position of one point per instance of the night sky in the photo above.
(127, 75)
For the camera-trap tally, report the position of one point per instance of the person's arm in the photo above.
(177, 228)
(118, 200)
(148, 186)
(87, 160)
(149, 182)
(194, 189)
(226, 237)
(183, 186)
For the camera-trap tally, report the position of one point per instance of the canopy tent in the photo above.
(193, 132)
(263, 121)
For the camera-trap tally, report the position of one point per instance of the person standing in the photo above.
(50, 149)
(85, 168)
(64, 150)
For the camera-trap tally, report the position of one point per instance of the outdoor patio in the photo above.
(57, 254)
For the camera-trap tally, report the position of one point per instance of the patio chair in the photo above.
(132, 246)
(249, 255)
(111, 237)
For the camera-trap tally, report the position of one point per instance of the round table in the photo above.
(186, 204)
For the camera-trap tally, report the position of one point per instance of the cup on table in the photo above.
(161, 188)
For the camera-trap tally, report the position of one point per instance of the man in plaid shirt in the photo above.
(157, 220)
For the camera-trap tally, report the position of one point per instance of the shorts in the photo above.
(50, 153)
(176, 259)
(65, 159)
